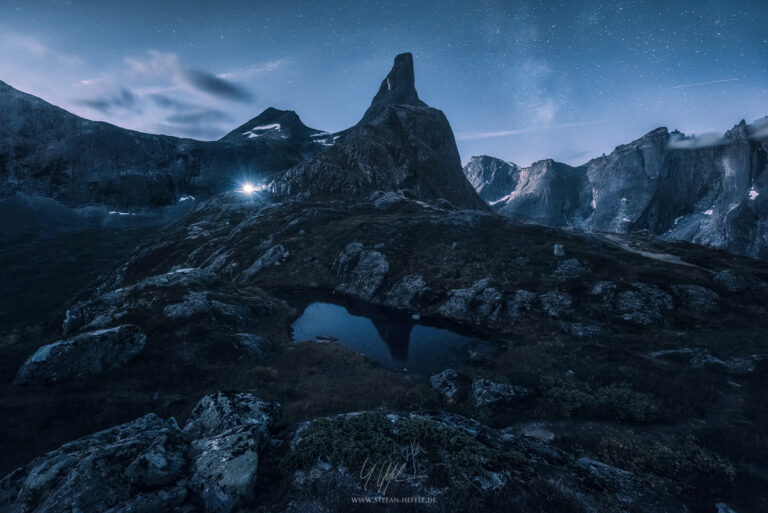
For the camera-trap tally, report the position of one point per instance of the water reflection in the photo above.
(394, 341)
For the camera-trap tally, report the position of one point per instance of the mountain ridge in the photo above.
(706, 190)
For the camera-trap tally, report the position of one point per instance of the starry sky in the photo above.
(520, 80)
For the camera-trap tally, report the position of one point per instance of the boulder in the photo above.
(272, 257)
(479, 303)
(733, 281)
(490, 393)
(201, 304)
(225, 467)
(149, 465)
(570, 268)
(161, 463)
(555, 303)
(405, 292)
(86, 354)
(695, 298)
(88, 474)
(109, 307)
(643, 305)
(360, 271)
(446, 383)
(221, 411)
(521, 301)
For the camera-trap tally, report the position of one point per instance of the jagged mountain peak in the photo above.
(739, 131)
(401, 144)
(398, 88)
(491, 177)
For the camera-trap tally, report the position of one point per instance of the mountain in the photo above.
(399, 144)
(595, 372)
(711, 191)
(492, 178)
(51, 160)
(281, 126)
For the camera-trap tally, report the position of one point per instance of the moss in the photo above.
(350, 441)
(680, 458)
(570, 397)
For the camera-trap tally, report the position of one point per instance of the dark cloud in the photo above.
(188, 115)
(123, 99)
(198, 117)
(166, 102)
(216, 86)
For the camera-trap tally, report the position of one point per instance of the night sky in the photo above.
(519, 80)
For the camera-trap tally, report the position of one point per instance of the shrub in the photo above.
(612, 402)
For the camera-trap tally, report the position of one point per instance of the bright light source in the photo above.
(248, 188)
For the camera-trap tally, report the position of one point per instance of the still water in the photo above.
(394, 341)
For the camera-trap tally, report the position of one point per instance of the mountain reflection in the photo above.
(390, 339)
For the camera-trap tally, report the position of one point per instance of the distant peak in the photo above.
(398, 88)
(271, 121)
(271, 114)
(739, 131)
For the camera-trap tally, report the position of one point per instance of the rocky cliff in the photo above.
(399, 144)
(706, 191)
(55, 165)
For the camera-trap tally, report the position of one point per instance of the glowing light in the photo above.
(249, 188)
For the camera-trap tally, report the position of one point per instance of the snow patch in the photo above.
(252, 132)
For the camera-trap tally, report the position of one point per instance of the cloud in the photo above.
(256, 69)
(167, 102)
(216, 86)
(159, 66)
(199, 117)
(123, 99)
(679, 141)
(190, 119)
(38, 49)
(759, 128)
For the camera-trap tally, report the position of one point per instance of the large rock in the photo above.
(222, 411)
(643, 305)
(107, 308)
(90, 353)
(487, 393)
(446, 382)
(87, 475)
(733, 281)
(696, 298)
(479, 303)
(225, 467)
(272, 257)
(405, 292)
(360, 271)
(149, 465)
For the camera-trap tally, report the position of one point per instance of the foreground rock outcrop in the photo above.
(150, 464)
(89, 353)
